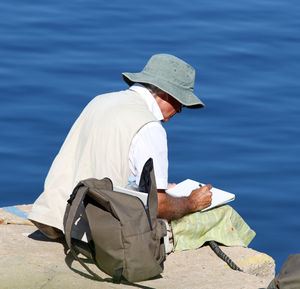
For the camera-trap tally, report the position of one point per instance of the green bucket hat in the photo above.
(170, 74)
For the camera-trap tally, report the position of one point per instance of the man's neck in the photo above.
(149, 99)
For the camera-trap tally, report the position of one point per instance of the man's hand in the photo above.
(200, 198)
(171, 208)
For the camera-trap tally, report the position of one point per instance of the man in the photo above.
(115, 135)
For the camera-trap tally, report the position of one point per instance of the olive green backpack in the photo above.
(127, 237)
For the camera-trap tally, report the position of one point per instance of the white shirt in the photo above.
(150, 141)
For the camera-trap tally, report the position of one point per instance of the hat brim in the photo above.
(183, 95)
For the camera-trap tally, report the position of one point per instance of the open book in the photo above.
(142, 196)
(183, 189)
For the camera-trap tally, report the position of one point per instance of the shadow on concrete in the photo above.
(83, 249)
(39, 236)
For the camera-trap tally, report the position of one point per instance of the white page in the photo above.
(184, 189)
(141, 195)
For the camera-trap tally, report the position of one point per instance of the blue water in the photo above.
(57, 55)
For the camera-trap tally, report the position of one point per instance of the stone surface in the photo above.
(30, 260)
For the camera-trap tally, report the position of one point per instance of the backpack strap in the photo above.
(76, 199)
(74, 202)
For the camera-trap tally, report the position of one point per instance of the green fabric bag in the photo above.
(127, 237)
(222, 224)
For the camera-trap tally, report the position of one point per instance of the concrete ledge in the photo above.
(30, 260)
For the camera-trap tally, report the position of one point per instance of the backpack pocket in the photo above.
(107, 239)
(141, 263)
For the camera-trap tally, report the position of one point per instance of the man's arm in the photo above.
(171, 208)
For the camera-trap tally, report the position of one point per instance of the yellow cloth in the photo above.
(222, 224)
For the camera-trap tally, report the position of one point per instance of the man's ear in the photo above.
(167, 97)
(163, 96)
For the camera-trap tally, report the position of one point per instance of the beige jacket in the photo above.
(97, 146)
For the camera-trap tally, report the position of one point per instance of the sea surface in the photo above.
(55, 56)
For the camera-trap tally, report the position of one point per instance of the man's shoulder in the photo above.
(121, 104)
(112, 94)
(121, 97)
